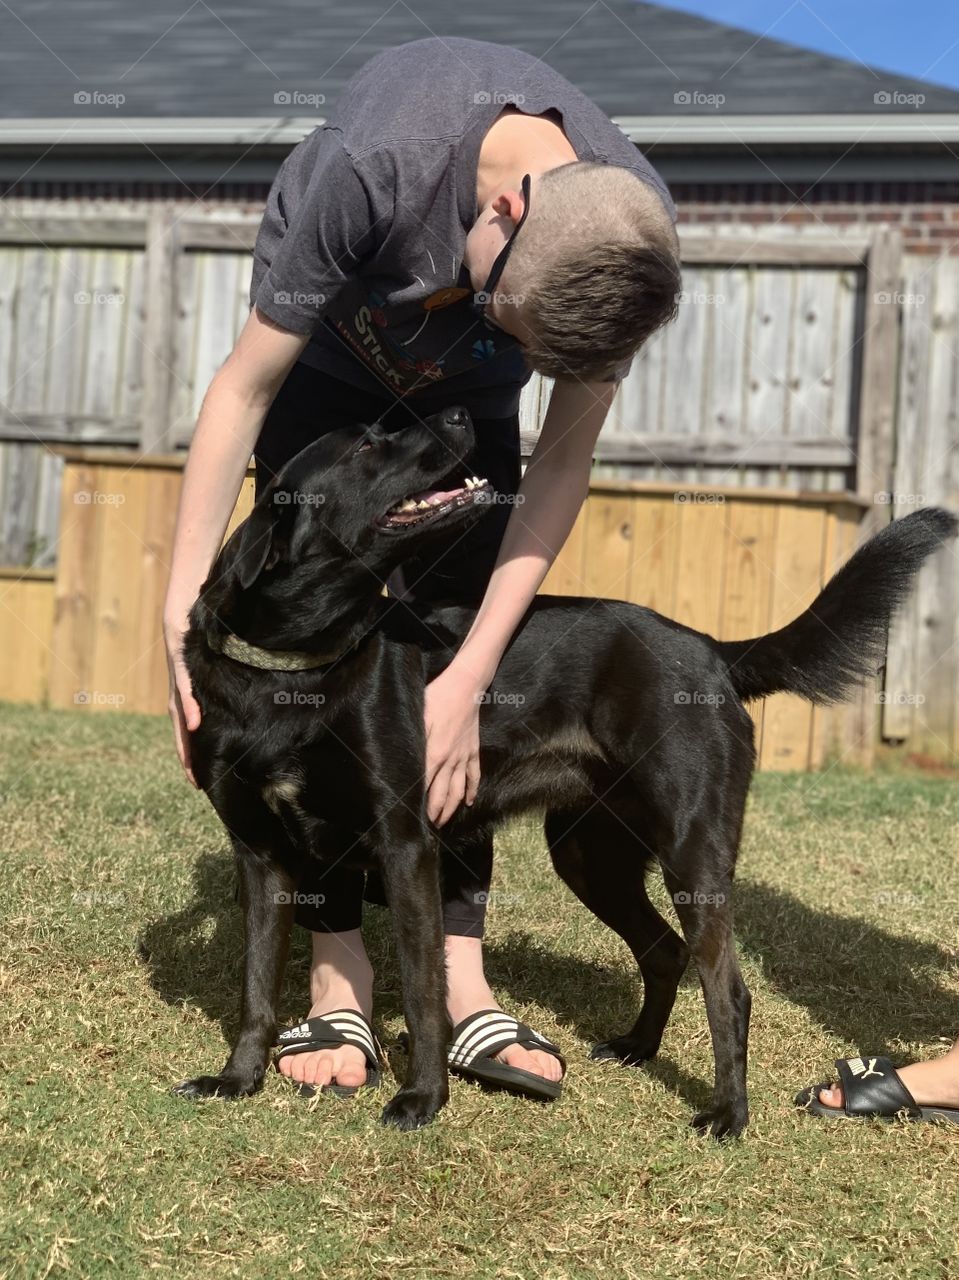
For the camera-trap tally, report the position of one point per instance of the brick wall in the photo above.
(927, 213)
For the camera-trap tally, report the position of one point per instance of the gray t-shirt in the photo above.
(362, 239)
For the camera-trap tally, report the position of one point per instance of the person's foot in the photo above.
(932, 1084)
(340, 978)
(468, 992)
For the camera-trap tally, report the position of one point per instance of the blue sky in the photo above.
(919, 39)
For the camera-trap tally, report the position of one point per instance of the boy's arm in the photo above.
(226, 432)
(552, 491)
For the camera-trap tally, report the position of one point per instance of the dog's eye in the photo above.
(362, 448)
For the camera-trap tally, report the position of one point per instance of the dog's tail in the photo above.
(841, 638)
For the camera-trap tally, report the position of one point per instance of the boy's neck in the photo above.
(516, 144)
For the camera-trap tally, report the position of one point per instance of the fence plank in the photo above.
(702, 541)
(653, 572)
(707, 247)
(912, 416)
(106, 324)
(215, 318)
(566, 577)
(747, 596)
(609, 544)
(685, 357)
(69, 332)
(149, 672)
(161, 258)
(810, 373)
(186, 396)
(117, 586)
(938, 589)
(130, 394)
(725, 399)
(877, 400)
(26, 623)
(767, 347)
(857, 721)
(74, 624)
(797, 574)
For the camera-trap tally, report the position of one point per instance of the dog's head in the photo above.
(365, 495)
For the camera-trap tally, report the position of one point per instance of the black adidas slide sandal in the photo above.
(332, 1031)
(871, 1089)
(477, 1038)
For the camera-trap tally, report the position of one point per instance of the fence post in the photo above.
(880, 357)
(159, 320)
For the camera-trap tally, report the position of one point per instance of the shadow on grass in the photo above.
(866, 985)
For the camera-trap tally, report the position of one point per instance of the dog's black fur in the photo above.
(627, 728)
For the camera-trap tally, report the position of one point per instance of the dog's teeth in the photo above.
(422, 505)
(478, 480)
(469, 482)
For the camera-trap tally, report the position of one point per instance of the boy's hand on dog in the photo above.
(452, 743)
(183, 707)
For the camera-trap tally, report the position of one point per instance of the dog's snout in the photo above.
(456, 416)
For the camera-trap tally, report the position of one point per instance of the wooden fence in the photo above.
(798, 361)
(731, 562)
(113, 322)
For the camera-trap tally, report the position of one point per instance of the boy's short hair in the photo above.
(597, 267)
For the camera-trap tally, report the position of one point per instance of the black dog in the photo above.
(631, 733)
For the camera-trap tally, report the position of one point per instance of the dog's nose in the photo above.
(456, 416)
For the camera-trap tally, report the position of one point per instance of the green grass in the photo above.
(119, 971)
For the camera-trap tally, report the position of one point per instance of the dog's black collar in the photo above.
(272, 659)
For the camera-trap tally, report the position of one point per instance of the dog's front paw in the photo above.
(215, 1087)
(624, 1049)
(723, 1120)
(412, 1108)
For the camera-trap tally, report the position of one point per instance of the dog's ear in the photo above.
(259, 542)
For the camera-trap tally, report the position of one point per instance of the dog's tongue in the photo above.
(435, 495)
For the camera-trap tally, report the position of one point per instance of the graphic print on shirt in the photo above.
(415, 344)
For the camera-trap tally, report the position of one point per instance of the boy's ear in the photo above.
(258, 541)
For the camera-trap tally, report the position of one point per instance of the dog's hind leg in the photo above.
(266, 892)
(698, 874)
(604, 861)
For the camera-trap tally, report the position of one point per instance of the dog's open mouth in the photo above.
(434, 504)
